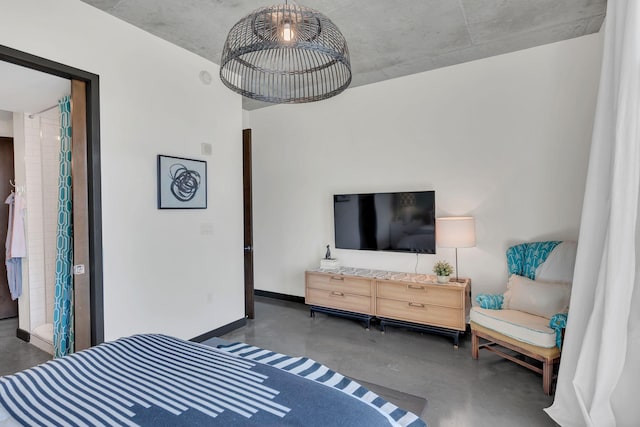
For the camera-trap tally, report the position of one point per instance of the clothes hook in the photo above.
(18, 188)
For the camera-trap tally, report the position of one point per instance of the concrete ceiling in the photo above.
(386, 38)
(23, 90)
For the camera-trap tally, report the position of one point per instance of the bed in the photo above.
(157, 380)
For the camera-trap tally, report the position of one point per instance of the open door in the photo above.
(248, 224)
(8, 307)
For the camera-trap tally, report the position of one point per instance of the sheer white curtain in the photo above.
(600, 368)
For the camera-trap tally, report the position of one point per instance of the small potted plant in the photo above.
(443, 270)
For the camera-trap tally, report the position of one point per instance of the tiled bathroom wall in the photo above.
(50, 151)
(42, 147)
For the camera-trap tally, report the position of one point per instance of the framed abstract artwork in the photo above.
(182, 183)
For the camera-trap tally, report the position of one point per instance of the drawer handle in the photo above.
(337, 278)
(415, 287)
(338, 294)
(415, 304)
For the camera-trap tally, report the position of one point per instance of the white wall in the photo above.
(6, 123)
(504, 139)
(160, 273)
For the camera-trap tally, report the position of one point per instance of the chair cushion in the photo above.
(536, 297)
(519, 325)
(519, 346)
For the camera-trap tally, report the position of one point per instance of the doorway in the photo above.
(248, 224)
(85, 159)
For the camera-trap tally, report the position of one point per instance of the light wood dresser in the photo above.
(340, 295)
(409, 300)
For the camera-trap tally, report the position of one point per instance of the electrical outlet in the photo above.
(78, 269)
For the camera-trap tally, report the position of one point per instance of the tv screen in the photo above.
(402, 222)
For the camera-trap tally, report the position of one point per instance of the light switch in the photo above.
(78, 269)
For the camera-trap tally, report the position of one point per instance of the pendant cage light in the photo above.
(286, 54)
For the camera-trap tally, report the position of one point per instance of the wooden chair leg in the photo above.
(547, 376)
(475, 345)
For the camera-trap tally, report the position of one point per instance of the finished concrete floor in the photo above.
(15, 354)
(460, 391)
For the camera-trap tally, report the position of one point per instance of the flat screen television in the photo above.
(399, 222)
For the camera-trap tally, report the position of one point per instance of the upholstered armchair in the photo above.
(530, 316)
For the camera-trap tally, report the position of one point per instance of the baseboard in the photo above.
(23, 335)
(221, 330)
(42, 344)
(276, 295)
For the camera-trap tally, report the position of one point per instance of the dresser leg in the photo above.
(312, 313)
(456, 340)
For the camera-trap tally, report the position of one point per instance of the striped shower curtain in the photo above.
(63, 338)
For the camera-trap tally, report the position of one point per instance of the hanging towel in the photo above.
(16, 242)
(14, 277)
(15, 245)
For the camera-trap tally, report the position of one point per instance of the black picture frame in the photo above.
(182, 183)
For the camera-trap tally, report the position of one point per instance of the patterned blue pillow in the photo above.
(558, 322)
(490, 301)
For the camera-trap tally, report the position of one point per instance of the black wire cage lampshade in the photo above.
(286, 54)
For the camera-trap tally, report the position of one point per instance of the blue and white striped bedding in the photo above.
(156, 380)
(312, 370)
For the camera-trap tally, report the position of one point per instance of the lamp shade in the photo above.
(286, 54)
(456, 232)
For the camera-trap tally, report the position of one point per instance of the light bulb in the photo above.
(287, 32)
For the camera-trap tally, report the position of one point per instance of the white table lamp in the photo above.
(456, 232)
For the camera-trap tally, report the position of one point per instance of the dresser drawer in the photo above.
(339, 300)
(421, 293)
(338, 283)
(445, 317)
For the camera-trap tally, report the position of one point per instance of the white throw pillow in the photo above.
(537, 297)
(559, 265)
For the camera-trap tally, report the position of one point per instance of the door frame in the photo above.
(92, 82)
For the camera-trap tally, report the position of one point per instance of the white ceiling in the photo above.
(386, 38)
(23, 90)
